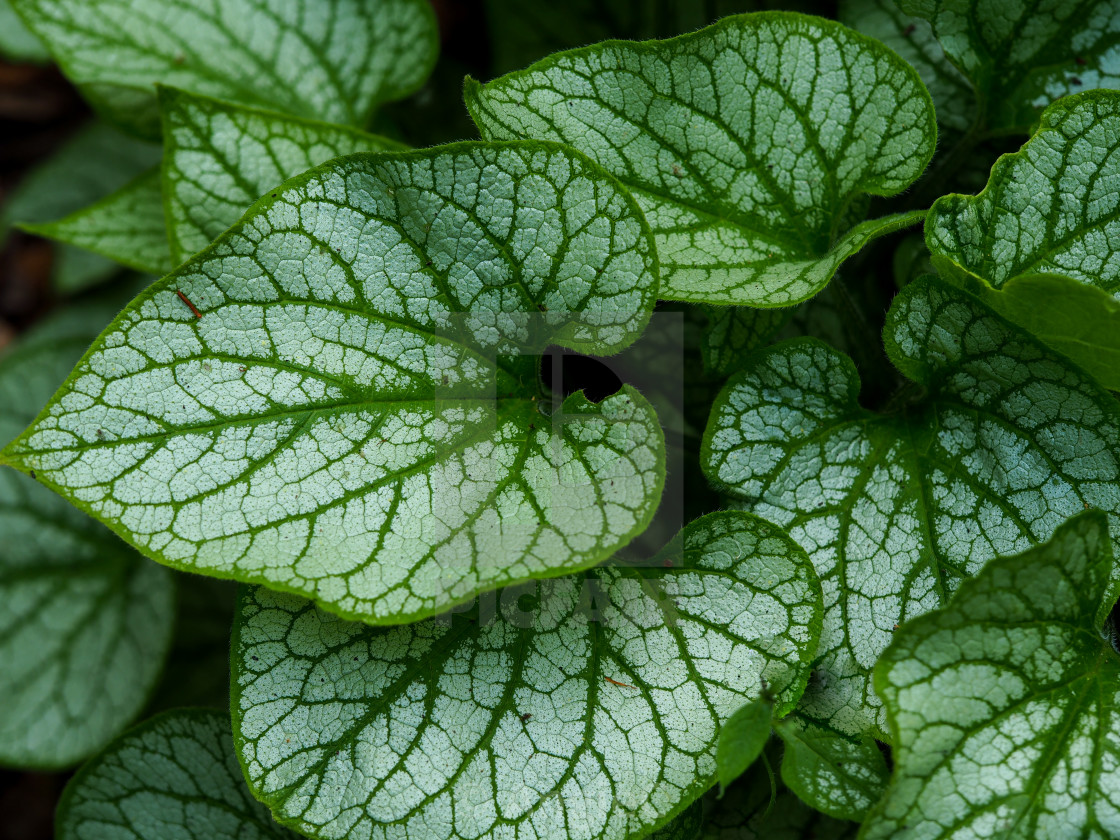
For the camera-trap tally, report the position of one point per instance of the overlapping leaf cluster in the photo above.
(889, 617)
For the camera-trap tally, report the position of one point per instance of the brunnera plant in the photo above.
(378, 382)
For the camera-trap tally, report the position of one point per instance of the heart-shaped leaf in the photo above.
(333, 60)
(218, 158)
(1020, 57)
(586, 707)
(86, 622)
(1006, 441)
(748, 144)
(174, 776)
(1039, 244)
(324, 401)
(834, 774)
(1004, 703)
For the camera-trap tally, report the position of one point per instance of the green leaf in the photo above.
(126, 226)
(1003, 443)
(333, 60)
(86, 622)
(342, 421)
(746, 144)
(17, 42)
(742, 739)
(1022, 56)
(582, 707)
(219, 158)
(174, 776)
(1003, 704)
(94, 163)
(913, 39)
(747, 812)
(1050, 209)
(834, 774)
(733, 332)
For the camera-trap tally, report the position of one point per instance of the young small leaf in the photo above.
(745, 143)
(333, 60)
(835, 774)
(218, 158)
(741, 740)
(1003, 704)
(322, 401)
(1007, 442)
(1039, 244)
(913, 39)
(174, 776)
(587, 707)
(1020, 57)
(86, 622)
(126, 226)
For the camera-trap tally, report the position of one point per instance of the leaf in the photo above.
(219, 158)
(742, 739)
(174, 776)
(341, 421)
(1003, 704)
(913, 39)
(86, 622)
(733, 332)
(747, 813)
(17, 42)
(835, 774)
(333, 60)
(582, 707)
(746, 144)
(1052, 208)
(1020, 57)
(94, 163)
(1005, 441)
(126, 226)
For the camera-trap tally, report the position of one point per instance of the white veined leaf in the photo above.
(218, 158)
(1022, 56)
(748, 144)
(835, 774)
(85, 169)
(570, 709)
(333, 60)
(1004, 703)
(1004, 443)
(173, 776)
(1039, 244)
(126, 226)
(86, 622)
(339, 398)
(913, 39)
